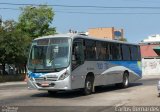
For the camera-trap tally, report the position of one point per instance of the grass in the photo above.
(10, 78)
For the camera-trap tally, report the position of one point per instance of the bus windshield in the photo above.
(48, 55)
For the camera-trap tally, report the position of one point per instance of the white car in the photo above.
(158, 87)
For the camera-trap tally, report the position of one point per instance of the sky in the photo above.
(138, 23)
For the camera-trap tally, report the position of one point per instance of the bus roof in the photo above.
(70, 35)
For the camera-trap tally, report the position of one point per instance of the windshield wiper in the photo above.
(51, 60)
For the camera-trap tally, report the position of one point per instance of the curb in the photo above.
(150, 76)
(13, 83)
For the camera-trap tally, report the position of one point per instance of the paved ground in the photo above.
(140, 93)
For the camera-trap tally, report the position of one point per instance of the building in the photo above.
(150, 47)
(150, 52)
(109, 33)
(152, 39)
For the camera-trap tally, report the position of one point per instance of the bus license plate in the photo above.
(44, 84)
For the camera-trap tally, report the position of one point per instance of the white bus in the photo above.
(69, 61)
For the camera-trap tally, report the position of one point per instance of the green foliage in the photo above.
(15, 37)
(123, 39)
(12, 42)
(35, 21)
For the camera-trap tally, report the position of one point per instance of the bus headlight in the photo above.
(64, 75)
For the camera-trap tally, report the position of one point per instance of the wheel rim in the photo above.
(126, 81)
(88, 85)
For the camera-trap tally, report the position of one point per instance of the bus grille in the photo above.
(42, 79)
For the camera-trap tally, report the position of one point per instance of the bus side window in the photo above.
(134, 53)
(90, 50)
(115, 51)
(126, 52)
(77, 54)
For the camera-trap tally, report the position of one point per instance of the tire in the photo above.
(88, 85)
(125, 81)
(52, 92)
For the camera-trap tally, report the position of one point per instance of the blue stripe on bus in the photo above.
(132, 65)
(35, 75)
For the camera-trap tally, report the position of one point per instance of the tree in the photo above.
(12, 43)
(15, 37)
(123, 39)
(36, 21)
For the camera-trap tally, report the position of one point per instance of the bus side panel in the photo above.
(105, 72)
(78, 77)
(79, 74)
(133, 67)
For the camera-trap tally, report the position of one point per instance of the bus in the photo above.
(70, 61)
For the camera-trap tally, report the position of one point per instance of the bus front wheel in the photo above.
(88, 85)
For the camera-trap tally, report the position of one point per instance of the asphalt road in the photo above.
(17, 97)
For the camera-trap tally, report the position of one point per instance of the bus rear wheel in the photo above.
(88, 85)
(125, 81)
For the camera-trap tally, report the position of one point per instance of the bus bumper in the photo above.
(53, 85)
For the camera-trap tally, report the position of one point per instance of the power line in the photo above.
(9, 9)
(71, 12)
(98, 13)
(80, 6)
(17, 4)
(104, 7)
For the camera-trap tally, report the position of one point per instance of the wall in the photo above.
(102, 32)
(150, 66)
